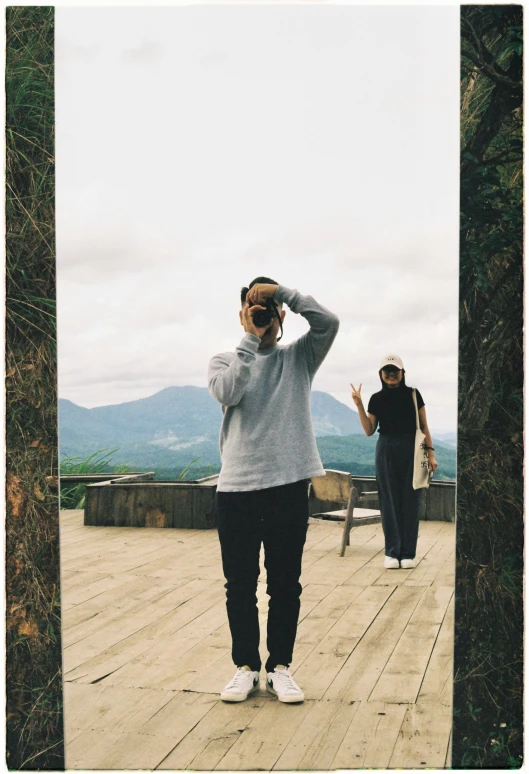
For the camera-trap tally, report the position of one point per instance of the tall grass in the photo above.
(488, 656)
(72, 496)
(34, 722)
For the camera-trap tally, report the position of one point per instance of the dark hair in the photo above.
(386, 386)
(257, 280)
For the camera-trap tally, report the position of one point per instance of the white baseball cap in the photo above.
(393, 360)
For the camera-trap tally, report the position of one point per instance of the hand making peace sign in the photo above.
(355, 395)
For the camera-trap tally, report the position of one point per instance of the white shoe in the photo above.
(390, 563)
(241, 686)
(407, 564)
(281, 683)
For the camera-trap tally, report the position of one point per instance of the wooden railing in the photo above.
(438, 502)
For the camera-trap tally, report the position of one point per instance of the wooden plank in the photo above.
(73, 578)
(126, 550)
(331, 542)
(362, 669)
(324, 615)
(265, 737)
(423, 738)
(209, 741)
(315, 743)
(433, 605)
(368, 574)
(179, 567)
(429, 566)
(320, 667)
(104, 537)
(402, 676)
(102, 542)
(127, 615)
(120, 709)
(164, 662)
(368, 564)
(83, 592)
(447, 694)
(121, 558)
(336, 569)
(89, 659)
(80, 702)
(179, 665)
(370, 739)
(133, 564)
(109, 658)
(448, 759)
(312, 595)
(145, 745)
(85, 619)
(438, 675)
(145, 659)
(447, 572)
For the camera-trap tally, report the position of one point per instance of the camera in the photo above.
(263, 317)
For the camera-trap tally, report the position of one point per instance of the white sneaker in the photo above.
(281, 683)
(407, 564)
(390, 563)
(241, 686)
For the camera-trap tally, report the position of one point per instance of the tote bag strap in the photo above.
(417, 424)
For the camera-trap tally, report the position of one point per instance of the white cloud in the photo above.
(198, 147)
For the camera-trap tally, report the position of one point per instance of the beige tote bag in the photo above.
(421, 474)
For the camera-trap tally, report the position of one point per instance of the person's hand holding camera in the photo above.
(260, 292)
(247, 320)
(258, 303)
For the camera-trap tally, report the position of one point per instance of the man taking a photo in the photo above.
(268, 453)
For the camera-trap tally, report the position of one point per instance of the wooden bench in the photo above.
(337, 486)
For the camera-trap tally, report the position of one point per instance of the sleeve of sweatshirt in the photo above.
(229, 373)
(323, 325)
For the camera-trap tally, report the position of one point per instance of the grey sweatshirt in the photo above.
(266, 437)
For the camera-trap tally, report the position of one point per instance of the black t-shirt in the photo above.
(394, 409)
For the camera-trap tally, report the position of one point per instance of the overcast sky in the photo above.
(198, 147)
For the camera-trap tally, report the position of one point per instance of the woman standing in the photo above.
(393, 410)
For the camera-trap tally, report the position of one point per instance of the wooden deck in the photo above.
(147, 649)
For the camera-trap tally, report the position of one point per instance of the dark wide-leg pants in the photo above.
(277, 518)
(399, 501)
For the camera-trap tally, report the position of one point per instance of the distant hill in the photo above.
(168, 430)
(175, 419)
(172, 416)
(332, 417)
(449, 439)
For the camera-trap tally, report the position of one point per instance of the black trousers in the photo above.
(277, 518)
(399, 501)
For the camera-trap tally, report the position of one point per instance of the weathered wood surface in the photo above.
(147, 649)
(184, 505)
(94, 478)
(335, 485)
(440, 501)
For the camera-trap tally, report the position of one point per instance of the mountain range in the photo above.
(180, 424)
